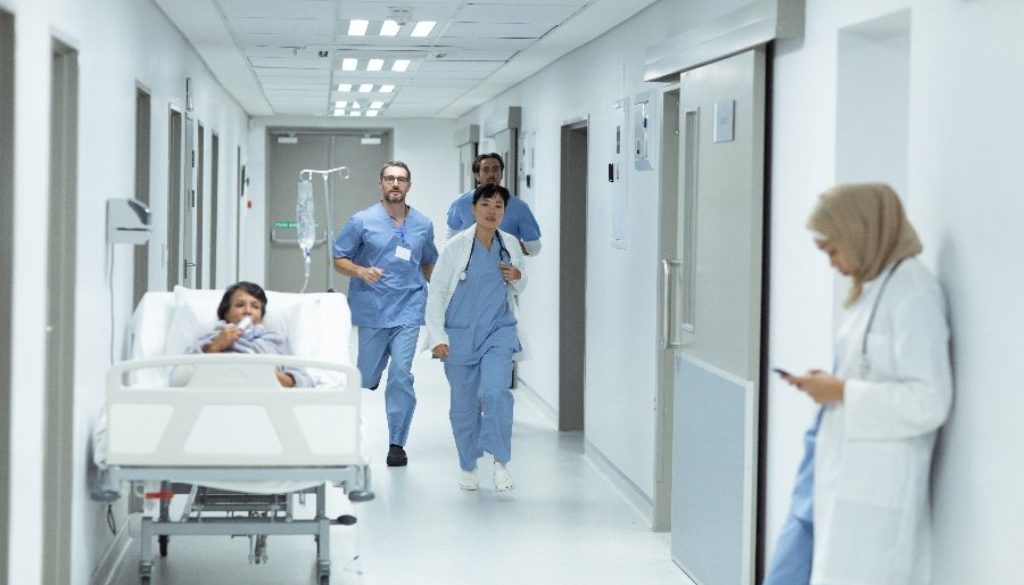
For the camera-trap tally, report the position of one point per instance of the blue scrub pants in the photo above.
(484, 383)
(794, 550)
(376, 346)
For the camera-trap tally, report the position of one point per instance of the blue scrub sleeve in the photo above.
(455, 220)
(429, 255)
(529, 229)
(349, 240)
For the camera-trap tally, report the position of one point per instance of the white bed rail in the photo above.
(232, 412)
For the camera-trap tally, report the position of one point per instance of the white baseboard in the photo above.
(110, 564)
(629, 490)
(531, 395)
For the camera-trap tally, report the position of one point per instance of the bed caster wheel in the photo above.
(346, 520)
(163, 539)
(324, 580)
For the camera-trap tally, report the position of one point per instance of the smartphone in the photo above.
(781, 372)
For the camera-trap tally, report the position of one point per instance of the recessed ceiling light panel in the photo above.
(357, 28)
(423, 28)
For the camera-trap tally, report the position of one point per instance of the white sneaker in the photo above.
(469, 481)
(502, 480)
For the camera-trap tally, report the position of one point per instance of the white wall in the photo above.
(119, 43)
(964, 196)
(424, 144)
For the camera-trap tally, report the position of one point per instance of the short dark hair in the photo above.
(249, 287)
(482, 157)
(488, 190)
(395, 163)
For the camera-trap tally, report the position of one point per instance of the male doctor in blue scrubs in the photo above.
(519, 220)
(388, 251)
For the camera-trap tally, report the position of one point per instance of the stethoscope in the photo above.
(504, 256)
(865, 362)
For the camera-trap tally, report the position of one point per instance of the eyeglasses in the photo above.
(394, 179)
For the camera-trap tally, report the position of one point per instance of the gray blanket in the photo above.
(258, 340)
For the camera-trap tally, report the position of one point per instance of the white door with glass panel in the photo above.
(712, 317)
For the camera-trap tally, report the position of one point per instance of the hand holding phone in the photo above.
(782, 372)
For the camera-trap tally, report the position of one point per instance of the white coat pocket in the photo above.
(876, 473)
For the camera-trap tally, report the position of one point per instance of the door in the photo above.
(506, 144)
(188, 206)
(6, 267)
(318, 151)
(572, 261)
(199, 208)
(214, 207)
(714, 299)
(467, 152)
(181, 201)
(140, 283)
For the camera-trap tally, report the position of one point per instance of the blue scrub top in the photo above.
(370, 238)
(478, 316)
(518, 221)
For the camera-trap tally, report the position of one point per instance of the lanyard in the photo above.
(865, 363)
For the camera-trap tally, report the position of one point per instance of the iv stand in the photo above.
(328, 230)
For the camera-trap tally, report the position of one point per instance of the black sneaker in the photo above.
(397, 456)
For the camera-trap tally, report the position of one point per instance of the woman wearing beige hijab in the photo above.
(890, 393)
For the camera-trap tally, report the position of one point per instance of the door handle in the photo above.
(669, 291)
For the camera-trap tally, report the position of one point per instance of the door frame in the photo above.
(60, 316)
(661, 515)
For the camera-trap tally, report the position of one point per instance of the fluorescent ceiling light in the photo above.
(355, 113)
(349, 64)
(344, 87)
(357, 28)
(373, 114)
(377, 105)
(356, 105)
(339, 112)
(366, 88)
(375, 64)
(340, 104)
(400, 65)
(370, 140)
(389, 28)
(423, 28)
(387, 88)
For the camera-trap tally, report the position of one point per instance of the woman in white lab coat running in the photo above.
(890, 393)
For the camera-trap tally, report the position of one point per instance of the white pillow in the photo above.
(195, 314)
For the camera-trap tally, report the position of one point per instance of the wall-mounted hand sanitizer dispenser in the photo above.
(127, 222)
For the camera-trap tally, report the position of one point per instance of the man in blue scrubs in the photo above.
(519, 220)
(388, 251)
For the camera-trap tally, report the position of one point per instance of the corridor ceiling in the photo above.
(287, 57)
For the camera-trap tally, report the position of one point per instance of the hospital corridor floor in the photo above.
(564, 523)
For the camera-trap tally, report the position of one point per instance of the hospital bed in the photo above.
(220, 431)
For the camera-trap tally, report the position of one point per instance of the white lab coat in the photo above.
(874, 449)
(445, 278)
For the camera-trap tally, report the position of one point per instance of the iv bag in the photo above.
(306, 225)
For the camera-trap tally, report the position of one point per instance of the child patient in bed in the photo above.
(241, 330)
